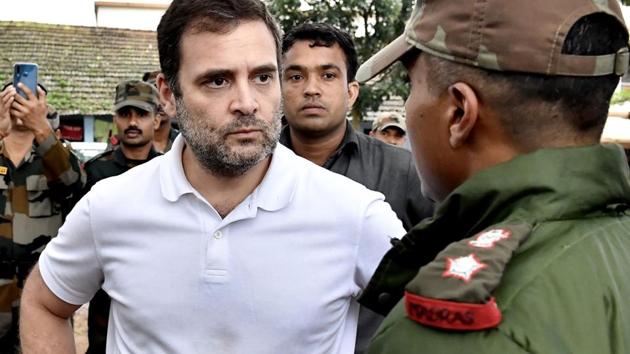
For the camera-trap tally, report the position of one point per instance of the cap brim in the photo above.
(394, 125)
(133, 103)
(383, 59)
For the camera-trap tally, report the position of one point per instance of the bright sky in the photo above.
(76, 12)
(68, 12)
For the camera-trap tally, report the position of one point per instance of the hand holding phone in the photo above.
(6, 99)
(30, 112)
(25, 73)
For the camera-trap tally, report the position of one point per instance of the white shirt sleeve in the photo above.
(380, 225)
(69, 264)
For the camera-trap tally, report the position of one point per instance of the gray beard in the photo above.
(211, 150)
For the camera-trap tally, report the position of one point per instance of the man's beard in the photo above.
(211, 149)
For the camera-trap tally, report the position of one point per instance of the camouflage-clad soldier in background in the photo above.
(39, 178)
(165, 134)
(136, 119)
(528, 250)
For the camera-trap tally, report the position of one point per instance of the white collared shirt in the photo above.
(277, 275)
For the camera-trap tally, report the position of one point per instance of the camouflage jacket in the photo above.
(34, 197)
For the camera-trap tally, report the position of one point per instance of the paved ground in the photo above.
(80, 329)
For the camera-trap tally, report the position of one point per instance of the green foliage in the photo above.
(620, 97)
(625, 2)
(373, 24)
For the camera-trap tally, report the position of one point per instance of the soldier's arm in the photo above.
(400, 335)
(44, 319)
(62, 169)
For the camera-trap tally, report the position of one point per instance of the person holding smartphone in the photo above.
(38, 178)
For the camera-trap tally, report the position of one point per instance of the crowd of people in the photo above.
(506, 231)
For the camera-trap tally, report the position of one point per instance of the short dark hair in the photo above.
(324, 35)
(536, 109)
(150, 76)
(217, 16)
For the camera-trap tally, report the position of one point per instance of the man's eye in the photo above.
(217, 82)
(295, 77)
(329, 76)
(263, 78)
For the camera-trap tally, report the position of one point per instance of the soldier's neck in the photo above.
(17, 145)
(160, 137)
(137, 153)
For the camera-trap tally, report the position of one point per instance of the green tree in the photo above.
(373, 24)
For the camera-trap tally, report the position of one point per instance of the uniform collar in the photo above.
(273, 193)
(122, 160)
(548, 184)
(27, 158)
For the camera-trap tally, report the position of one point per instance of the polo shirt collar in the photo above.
(275, 191)
(277, 188)
(173, 181)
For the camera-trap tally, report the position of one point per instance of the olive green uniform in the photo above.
(562, 289)
(107, 164)
(33, 197)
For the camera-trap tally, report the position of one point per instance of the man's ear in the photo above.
(156, 121)
(463, 113)
(166, 96)
(353, 93)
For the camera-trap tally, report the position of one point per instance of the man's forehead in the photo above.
(246, 45)
(301, 54)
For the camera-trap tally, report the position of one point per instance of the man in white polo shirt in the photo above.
(229, 243)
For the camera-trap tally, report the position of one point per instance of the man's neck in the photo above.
(317, 149)
(223, 193)
(160, 137)
(17, 145)
(137, 153)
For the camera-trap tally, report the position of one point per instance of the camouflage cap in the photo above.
(387, 121)
(137, 94)
(522, 36)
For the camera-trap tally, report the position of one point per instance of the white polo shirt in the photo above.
(276, 275)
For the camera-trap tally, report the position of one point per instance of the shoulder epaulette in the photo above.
(454, 292)
(99, 156)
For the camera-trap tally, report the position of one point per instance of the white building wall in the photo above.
(65, 12)
(132, 18)
(145, 16)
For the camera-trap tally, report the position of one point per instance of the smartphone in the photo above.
(25, 73)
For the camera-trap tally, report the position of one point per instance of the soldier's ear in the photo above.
(463, 113)
(156, 121)
(167, 99)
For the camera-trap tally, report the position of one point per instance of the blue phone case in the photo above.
(25, 73)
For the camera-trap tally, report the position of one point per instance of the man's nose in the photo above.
(245, 102)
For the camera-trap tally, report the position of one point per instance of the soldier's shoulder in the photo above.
(107, 155)
(455, 291)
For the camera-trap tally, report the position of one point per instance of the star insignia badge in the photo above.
(463, 268)
(489, 238)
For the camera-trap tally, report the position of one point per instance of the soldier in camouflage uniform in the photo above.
(165, 134)
(529, 248)
(39, 179)
(135, 117)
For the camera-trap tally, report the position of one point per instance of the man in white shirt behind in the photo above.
(229, 243)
